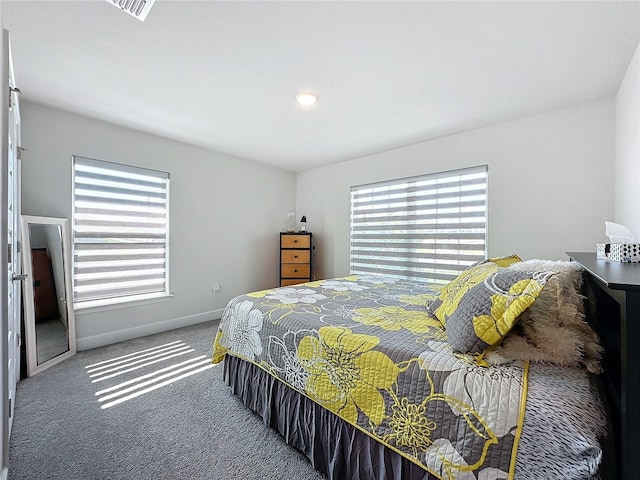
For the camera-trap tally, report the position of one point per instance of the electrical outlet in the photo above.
(216, 287)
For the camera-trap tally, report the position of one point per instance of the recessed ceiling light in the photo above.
(306, 99)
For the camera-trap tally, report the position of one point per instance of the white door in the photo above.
(13, 233)
(10, 284)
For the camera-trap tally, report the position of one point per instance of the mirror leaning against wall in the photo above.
(48, 297)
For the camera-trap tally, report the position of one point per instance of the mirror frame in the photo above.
(29, 307)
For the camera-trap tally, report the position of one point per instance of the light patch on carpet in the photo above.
(145, 381)
(149, 375)
(129, 355)
(127, 368)
(155, 387)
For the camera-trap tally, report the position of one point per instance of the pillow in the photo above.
(488, 310)
(553, 330)
(505, 261)
(451, 294)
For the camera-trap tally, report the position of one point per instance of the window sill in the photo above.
(113, 304)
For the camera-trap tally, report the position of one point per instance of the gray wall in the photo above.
(225, 216)
(627, 167)
(550, 183)
(551, 187)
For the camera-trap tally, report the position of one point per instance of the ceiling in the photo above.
(223, 74)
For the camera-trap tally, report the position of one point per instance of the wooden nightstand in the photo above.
(296, 258)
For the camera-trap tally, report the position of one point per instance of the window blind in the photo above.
(430, 227)
(120, 228)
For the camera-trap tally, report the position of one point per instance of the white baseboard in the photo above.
(86, 343)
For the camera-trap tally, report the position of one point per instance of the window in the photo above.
(429, 228)
(121, 233)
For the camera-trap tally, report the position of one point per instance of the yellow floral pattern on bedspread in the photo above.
(366, 348)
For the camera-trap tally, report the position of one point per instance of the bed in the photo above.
(492, 376)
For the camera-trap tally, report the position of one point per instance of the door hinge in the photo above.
(19, 246)
(9, 252)
(19, 338)
(11, 90)
(19, 152)
(10, 403)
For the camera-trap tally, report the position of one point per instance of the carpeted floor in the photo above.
(184, 422)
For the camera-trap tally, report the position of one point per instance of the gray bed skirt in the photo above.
(334, 447)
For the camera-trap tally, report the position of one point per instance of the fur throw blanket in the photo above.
(553, 330)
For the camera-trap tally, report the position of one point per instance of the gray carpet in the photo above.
(187, 425)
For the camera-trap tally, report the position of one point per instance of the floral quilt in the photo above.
(366, 348)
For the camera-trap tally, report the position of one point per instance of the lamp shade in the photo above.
(304, 219)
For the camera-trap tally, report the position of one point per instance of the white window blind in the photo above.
(120, 228)
(430, 227)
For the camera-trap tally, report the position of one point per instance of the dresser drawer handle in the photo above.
(296, 270)
(295, 256)
(295, 241)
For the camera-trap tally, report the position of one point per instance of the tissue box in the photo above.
(618, 252)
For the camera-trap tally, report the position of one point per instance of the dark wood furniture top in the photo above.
(620, 283)
(616, 275)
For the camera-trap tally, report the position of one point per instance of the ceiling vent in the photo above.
(136, 8)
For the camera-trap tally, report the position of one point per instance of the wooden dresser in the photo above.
(296, 258)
